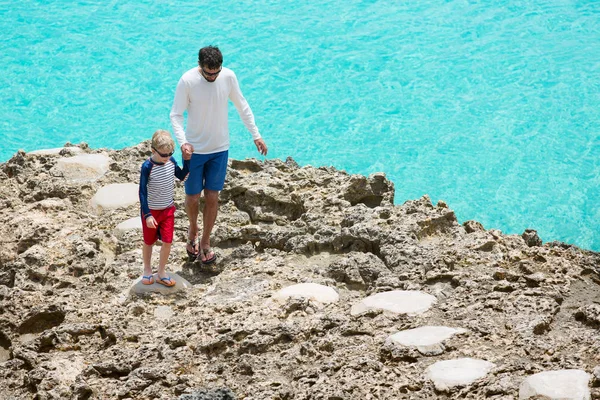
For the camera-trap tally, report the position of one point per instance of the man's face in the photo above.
(210, 74)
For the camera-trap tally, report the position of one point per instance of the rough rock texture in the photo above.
(70, 330)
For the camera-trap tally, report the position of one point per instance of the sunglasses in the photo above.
(211, 73)
(162, 154)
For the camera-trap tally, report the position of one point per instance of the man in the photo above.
(204, 92)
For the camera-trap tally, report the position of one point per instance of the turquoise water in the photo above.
(494, 108)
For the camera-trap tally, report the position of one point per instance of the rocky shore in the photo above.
(323, 289)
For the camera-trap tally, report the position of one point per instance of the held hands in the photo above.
(186, 151)
(151, 222)
(261, 146)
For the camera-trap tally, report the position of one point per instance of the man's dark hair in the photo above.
(210, 57)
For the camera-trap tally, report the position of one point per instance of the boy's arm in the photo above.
(181, 173)
(144, 176)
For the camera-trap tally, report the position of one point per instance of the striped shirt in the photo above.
(157, 182)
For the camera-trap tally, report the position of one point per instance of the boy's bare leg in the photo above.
(211, 208)
(165, 250)
(147, 257)
(191, 209)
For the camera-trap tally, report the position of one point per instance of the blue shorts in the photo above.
(207, 171)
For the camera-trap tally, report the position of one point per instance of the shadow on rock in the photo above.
(209, 394)
(198, 273)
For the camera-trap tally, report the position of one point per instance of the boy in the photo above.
(157, 181)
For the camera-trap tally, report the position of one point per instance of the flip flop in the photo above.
(208, 260)
(149, 278)
(192, 255)
(166, 281)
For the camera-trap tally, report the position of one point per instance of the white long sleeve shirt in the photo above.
(206, 105)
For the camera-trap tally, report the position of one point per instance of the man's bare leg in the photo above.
(191, 209)
(211, 208)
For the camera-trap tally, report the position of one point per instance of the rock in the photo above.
(534, 280)
(371, 191)
(81, 390)
(312, 291)
(209, 394)
(568, 384)
(134, 223)
(163, 313)
(55, 151)
(459, 372)
(596, 376)
(473, 226)
(358, 270)
(531, 237)
(589, 315)
(279, 224)
(116, 195)
(396, 301)
(7, 278)
(427, 339)
(82, 168)
(42, 318)
(181, 284)
(113, 368)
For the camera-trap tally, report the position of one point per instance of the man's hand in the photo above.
(151, 222)
(186, 151)
(261, 146)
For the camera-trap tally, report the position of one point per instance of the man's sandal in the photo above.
(192, 255)
(211, 260)
(148, 278)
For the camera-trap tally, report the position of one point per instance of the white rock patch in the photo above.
(4, 354)
(410, 302)
(55, 151)
(312, 291)
(66, 370)
(427, 339)
(129, 224)
(115, 196)
(84, 167)
(567, 384)
(459, 372)
(163, 313)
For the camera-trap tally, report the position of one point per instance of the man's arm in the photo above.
(243, 108)
(180, 105)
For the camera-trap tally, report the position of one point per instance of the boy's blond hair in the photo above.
(162, 140)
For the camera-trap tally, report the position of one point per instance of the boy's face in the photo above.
(162, 154)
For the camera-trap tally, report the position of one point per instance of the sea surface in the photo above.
(493, 107)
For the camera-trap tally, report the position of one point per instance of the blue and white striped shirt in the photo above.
(157, 182)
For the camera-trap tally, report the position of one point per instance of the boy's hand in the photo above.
(151, 222)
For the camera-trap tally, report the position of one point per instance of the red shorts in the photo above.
(165, 219)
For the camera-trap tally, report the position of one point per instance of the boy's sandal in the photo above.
(166, 281)
(149, 279)
(210, 260)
